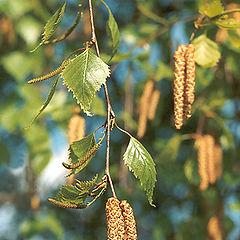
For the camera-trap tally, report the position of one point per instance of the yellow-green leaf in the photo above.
(212, 8)
(228, 23)
(234, 37)
(207, 52)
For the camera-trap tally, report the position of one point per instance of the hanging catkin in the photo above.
(179, 84)
(184, 83)
(129, 221)
(115, 220)
(153, 104)
(210, 147)
(202, 162)
(214, 229)
(190, 81)
(76, 128)
(144, 108)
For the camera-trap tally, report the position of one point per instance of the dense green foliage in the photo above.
(137, 40)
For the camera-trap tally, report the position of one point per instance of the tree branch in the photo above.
(110, 113)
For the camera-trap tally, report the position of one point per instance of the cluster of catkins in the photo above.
(147, 106)
(184, 83)
(120, 220)
(209, 160)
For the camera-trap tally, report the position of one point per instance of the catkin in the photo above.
(153, 104)
(202, 162)
(210, 147)
(184, 83)
(144, 108)
(129, 221)
(179, 82)
(209, 160)
(214, 229)
(190, 81)
(76, 128)
(115, 220)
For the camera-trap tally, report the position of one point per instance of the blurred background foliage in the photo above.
(30, 160)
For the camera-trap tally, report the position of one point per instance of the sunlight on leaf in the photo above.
(84, 76)
(207, 52)
(140, 162)
(212, 8)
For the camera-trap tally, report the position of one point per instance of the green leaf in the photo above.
(211, 9)
(79, 149)
(207, 53)
(112, 31)
(228, 23)
(140, 162)
(49, 98)
(171, 149)
(52, 25)
(234, 37)
(86, 185)
(84, 75)
(70, 194)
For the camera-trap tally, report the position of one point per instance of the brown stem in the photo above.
(110, 113)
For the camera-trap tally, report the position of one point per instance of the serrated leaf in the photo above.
(212, 8)
(207, 52)
(228, 23)
(112, 31)
(70, 194)
(86, 185)
(84, 76)
(171, 149)
(234, 37)
(49, 98)
(79, 149)
(52, 25)
(141, 163)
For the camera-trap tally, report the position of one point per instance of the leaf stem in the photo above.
(122, 130)
(110, 113)
(225, 13)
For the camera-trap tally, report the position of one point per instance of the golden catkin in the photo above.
(218, 160)
(144, 108)
(115, 220)
(190, 81)
(129, 221)
(210, 147)
(214, 229)
(35, 202)
(202, 162)
(153, 104)
(179, 84)
(76, 128)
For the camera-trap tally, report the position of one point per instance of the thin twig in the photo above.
(110, 113)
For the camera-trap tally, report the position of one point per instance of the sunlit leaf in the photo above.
(211, 9)
(84, 76)
(207, 52)
(52, 25)
(112, 31)
(140, 162)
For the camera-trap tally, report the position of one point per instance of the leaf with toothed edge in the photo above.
(52, 25)
(140, 162)
(84, 76)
